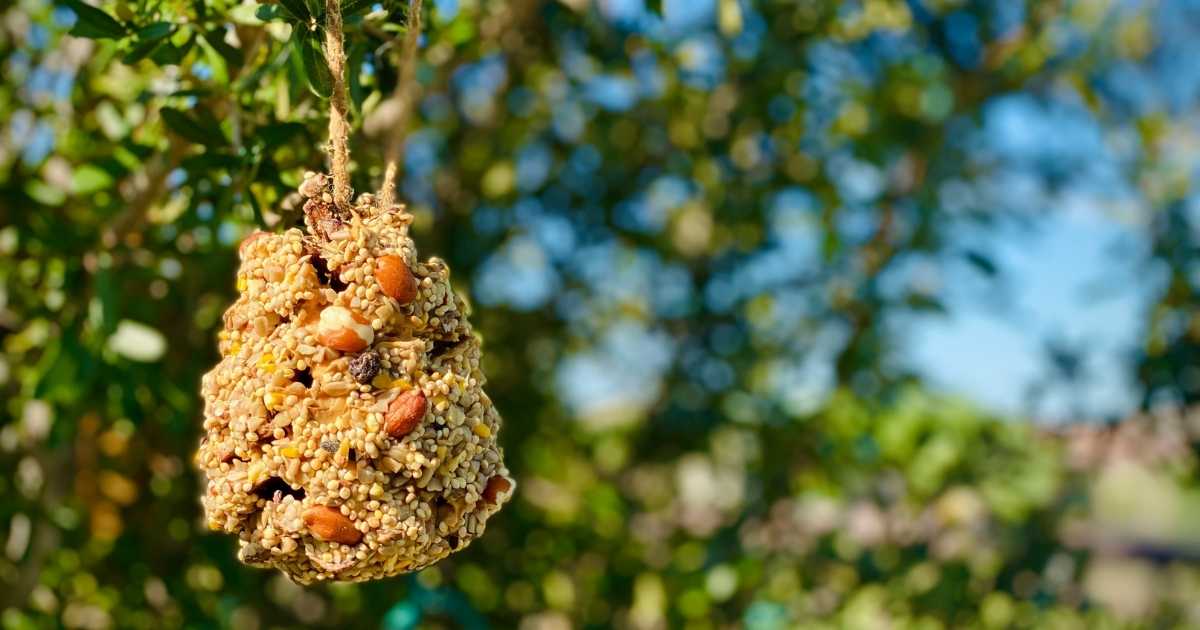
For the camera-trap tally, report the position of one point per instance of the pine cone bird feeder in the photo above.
(347, 433)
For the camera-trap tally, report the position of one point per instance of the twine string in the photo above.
(339, 127)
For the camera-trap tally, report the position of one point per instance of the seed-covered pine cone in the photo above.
(347, 433)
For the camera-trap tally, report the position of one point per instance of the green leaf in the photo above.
(316, 8)
(276, 134)
(209, 122)
(138, 151)
(198, 92)
(140, 51)
(44, 193)
(89, 179)
(313, 62)
(354, 63)
(146, 40)
(191, 129)
(94, 23)
(168, 54)
(232, 57)
(157, 30)
(58, 370)
(268, 13)
(297, 9)
(354, 7)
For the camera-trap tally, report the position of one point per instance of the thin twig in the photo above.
(406, 90)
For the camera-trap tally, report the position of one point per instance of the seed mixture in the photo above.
(347, 433)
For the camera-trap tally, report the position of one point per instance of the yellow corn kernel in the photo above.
(343, 451)
(235, 347)
(255, 472)
(382, 381)
(241, 283)
(482, 430)
(273, 400)
(267, 362)
(289, 451)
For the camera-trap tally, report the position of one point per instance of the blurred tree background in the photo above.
(696, 234)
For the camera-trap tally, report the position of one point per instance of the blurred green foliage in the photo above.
(615, 188)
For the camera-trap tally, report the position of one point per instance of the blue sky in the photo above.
(1072, 275)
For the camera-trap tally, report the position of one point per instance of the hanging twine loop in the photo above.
(339, 127)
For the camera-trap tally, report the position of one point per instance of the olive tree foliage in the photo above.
(691, 237)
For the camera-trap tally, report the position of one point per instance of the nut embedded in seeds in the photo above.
(404, 413)
(328, 524)
(395, 278)
(496, 486)
(342, 329)
(347, 433)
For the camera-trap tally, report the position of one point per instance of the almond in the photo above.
(395, 279)
(342, 329)
(405, 413)
(330, 525)
(495, 487)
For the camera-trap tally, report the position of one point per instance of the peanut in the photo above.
(396, 279)
(330, 525)
(495, 487)
(342, 329)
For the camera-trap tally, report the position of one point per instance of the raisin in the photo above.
(365, 367)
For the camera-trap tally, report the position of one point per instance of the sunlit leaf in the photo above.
(89, 178)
